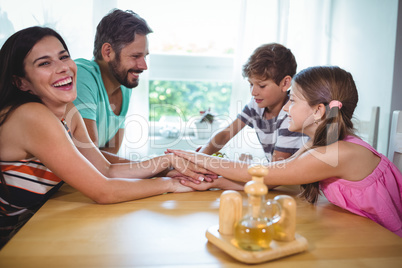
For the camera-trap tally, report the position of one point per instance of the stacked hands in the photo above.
(190, 169)
(187, 169)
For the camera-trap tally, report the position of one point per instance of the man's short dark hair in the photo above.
(118, 28)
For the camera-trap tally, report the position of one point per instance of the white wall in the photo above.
(396, 101)
(363, 37)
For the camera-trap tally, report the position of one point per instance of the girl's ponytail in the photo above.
(336, 89)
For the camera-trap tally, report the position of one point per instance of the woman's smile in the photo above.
(64, 84)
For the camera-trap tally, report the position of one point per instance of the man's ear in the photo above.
(21, 83)
(108, 53)
(285, 83)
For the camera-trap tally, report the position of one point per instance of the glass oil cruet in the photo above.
(255, 230)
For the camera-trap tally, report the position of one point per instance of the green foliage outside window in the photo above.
(187, 98)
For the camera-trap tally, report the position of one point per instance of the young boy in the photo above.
(269, 70)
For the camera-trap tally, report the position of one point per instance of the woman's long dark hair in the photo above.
(12, 56)
(322, 85)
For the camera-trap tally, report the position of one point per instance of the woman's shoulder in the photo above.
(31, 110)
(32, 106)
(25, 121)
(30, 113)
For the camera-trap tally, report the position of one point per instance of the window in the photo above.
(191, 57)
(187, 98)
(183, 85)
(191, 65)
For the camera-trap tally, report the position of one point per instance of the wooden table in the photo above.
(169, 231)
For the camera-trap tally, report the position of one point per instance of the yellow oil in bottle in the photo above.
(254, 231)
(253, 234)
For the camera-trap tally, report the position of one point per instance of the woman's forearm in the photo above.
(117, 190)
(154, 167)
(143, 169)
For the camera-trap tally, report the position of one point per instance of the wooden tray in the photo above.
(277, 250)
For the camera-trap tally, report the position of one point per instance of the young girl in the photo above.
(43, 139)
(349, 172)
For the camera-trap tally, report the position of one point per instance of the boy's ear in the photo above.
(108, 53)
(286, 83)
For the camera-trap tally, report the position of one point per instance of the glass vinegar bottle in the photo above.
(254, 231)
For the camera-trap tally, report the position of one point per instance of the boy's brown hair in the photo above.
(270, 61)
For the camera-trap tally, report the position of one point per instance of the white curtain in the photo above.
(301, 25)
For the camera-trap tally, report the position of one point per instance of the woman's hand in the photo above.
(175, 185)
(177, 175)
(190, 171)
(221, 183)
(233, 170)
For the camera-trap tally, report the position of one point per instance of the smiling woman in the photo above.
(50, 74)
(37, 86)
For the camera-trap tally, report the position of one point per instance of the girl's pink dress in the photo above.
(377, 197)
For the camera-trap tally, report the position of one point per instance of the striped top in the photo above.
(29, 184)
(63, 122)
(273, 134)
